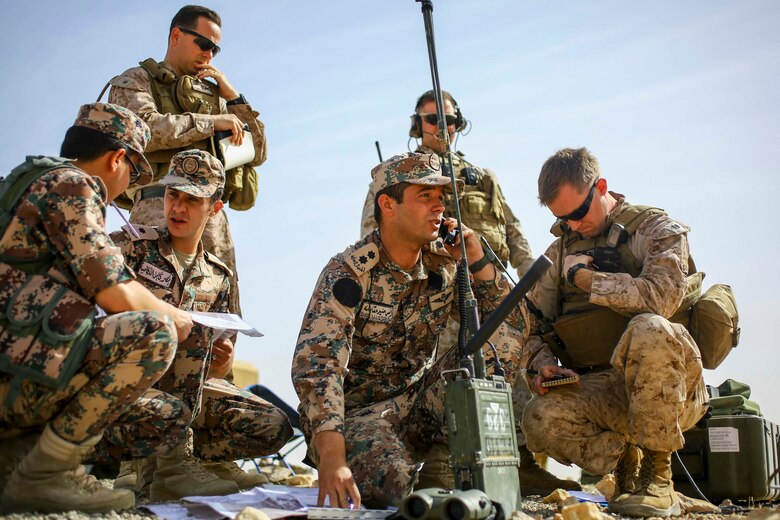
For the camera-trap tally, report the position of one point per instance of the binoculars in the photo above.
(450, 504)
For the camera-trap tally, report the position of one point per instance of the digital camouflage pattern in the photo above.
(195, 172)
(63, 215)
(236, 424)
(488, 214)
(121, 124)
(216, 238)
(133, 89)
(229, 423)
(364, 358)
(654, 389)
(414, 168)
(202, 287)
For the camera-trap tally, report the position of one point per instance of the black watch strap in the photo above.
(479, 264)
(240, 100)
(573, 271)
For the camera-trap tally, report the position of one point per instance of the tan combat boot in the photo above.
(436, 471)
(655, 495)
(136, 475)
(535, 480)
(51, 480)
(229, 470)
(180, 474)
(627, 472)
(12, 451)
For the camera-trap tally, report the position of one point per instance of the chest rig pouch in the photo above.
(45, 327)
(189, 94)
(481, 205)
(584, 335)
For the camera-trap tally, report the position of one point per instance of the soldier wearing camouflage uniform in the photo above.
(56, 237)
(171, 262)
(371, 395)
(641, 381)
(183, 115)
(485, 210)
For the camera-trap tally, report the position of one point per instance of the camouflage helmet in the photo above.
(196, 172)
(414, 168)
(124, 126)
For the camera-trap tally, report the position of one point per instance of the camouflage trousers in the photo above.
(236, 424)
(652, 394)
(521, 394)
(216, 238)
(387, 441)
(186, 376)
(128, 353)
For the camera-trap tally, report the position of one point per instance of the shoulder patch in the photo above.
(661, 226)
(211, 258)
(362, 260)
(132, 79)
(348, 292)
(144, 232)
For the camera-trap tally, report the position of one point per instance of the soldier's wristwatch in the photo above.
(573, 271)
(240, 100)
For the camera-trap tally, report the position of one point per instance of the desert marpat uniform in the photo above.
(364, 363)
(230, 423)
(63, 214)
(651, 390)
(172, 131)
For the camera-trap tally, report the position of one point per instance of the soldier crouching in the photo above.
(68, 375)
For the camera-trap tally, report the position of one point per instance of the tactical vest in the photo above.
(45, 327)
(584, 334)
(177, 95)
(481, 205)
(188, 94)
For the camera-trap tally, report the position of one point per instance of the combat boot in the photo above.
(50, 479)
(12, 451)
(655, 495)
(535, 480)
(627, 472)
(229, 470)
(136, 475)
(179, 474)
(436, 471)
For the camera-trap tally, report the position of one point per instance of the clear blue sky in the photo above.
(677, 99)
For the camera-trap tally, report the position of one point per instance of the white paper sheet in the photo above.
(225, 321)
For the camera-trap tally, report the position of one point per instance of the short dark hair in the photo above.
(188, 15)
(395, 192)
(88, 144)
(431, 96)
(216, 195)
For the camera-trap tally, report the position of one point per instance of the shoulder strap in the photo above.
(11, 190)
(160, 76)
(13, 187)
(633, 216)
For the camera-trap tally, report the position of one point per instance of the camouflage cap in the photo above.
(196, 172)
(123, 125)
(414, 168)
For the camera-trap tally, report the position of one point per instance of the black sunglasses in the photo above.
(136, 174)
(579, 213)
(433, 118)
(202, 42)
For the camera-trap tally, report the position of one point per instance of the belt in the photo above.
(151, 192)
